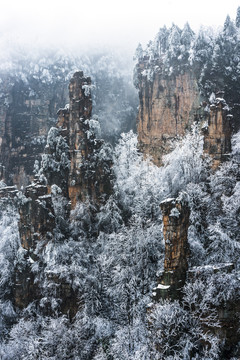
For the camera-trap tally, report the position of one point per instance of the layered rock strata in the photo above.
(168, 108)
(169, 105)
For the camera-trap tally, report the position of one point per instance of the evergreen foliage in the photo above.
(110, 257)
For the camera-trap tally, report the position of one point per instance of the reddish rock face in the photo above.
(168, 107)
(218, 133)
(175, 229)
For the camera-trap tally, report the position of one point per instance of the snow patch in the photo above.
(163, 287)
(174, 212)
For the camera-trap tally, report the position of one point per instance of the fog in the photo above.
(81, 25)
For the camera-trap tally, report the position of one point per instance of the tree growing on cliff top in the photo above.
(139, 52)
(162, 40)
(187, 35)
(238, 17)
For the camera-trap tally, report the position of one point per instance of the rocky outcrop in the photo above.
(72, 166)
(87, 175)
(27, 111)
(218, 132)
(36, 223)
(168, 108)
(8, 192)
(170, 104)
(175, 229)
(75, 167)
(25, 288)
(33, 86)
(37, 218)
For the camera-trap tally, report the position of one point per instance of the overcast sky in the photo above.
(106, 22)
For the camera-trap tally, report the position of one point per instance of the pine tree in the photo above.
(187, 36)
(174, 42)
(238, 17)
(162, 40)
(202, 49)
(229, 28)
(139, 52)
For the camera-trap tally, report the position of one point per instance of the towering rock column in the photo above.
(218, 132)
(89, 177)
(175, 229)
(72, 164)
(75, 166)
(80, 108)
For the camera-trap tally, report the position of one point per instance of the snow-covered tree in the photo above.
(139, 52)
(162, 40)
(174, 42)
(238, 17)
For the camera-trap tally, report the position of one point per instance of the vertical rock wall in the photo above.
(80, 110)
(218, 132)
(168, 107)
(88, 176)
(37, 219)
(28, 110)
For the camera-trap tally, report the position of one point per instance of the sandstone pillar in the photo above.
(175, 229)
(218, 132)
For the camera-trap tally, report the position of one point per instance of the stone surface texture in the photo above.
(168, 108)
(175, 214)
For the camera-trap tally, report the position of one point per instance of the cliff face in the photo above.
(37, 218)
(34, 86)
(27, 112)
(168, 107)
(80, 111)
(175, 226)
